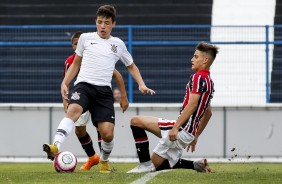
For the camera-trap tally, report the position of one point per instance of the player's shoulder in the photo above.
(70, 58)
(87, 35)
(116, 39)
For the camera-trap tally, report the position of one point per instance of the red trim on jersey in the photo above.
(68, 63)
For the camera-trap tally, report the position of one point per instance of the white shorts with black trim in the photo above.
(171, 150)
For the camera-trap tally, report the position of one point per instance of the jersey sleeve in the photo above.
(125, 57)
(80, 45)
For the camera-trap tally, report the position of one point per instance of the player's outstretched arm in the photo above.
(120, 83)
(134, 71)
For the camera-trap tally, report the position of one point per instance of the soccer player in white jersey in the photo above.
(96, 56)
(80, 125)
(176, 135)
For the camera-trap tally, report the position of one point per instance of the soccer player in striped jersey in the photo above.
(176, 135)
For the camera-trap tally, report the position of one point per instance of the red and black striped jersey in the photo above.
(199, 83)
(68, 62)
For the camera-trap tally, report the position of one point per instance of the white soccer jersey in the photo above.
(99, 57)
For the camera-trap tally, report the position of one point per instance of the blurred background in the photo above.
(161, 35)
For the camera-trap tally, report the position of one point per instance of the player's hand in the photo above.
(64, 91)
(144, 90)
(124, 103)
(192, 145)
(173, 134)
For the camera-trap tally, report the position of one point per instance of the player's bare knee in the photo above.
(74, 113)
(135, 121)
(107, 137)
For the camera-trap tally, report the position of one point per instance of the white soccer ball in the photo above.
(65, 162)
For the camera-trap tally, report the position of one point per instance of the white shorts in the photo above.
(84, 119)
(171, 150)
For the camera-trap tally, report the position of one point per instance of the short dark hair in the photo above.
(107, 11)
(76, 35)
(212, 50)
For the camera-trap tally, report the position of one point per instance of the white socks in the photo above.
(106, 149)
(63, 130)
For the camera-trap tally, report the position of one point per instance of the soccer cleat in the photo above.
(94, 160)
(142, 168)
(105, 167)
(201, 165)
(51, 150)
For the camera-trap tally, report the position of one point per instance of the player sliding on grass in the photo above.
(96, 56)
(182, 133)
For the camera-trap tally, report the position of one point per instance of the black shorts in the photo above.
(97, 99)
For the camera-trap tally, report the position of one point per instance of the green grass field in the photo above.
(223, 173)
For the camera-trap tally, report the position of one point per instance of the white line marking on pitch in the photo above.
(148, 177)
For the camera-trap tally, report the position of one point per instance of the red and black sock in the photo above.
(141, 143)
(87, 145)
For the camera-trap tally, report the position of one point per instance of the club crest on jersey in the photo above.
(114, 48)
(75, 96)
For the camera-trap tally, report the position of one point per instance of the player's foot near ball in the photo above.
(51, 150)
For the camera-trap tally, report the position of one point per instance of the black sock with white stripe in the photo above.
(141, 143)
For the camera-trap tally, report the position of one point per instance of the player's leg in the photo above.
(79, 103)
(64, 129)
(103, 117)
(138, 126)
(86, 141)
(198, 165)
(106, 130)
(157, 160)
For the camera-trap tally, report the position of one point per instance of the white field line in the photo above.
(147, 177)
